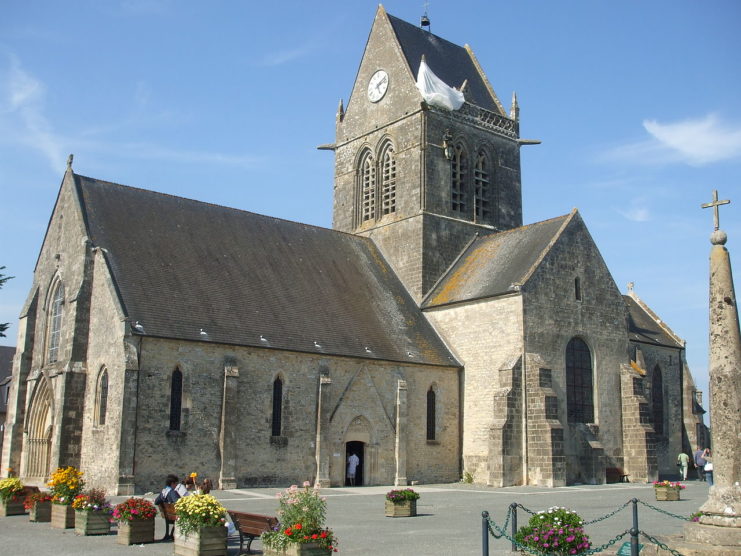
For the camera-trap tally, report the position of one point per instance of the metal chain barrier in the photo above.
(607, 545)
(664, 511)
(660, 544)
(604, 517)
(504, 527)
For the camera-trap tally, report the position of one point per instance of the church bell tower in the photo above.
(419, 179)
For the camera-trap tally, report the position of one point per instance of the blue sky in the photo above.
(637, 105)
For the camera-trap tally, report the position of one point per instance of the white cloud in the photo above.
(637, 212)
(285, 56)
(697, 142)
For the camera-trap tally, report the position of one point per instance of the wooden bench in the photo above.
(167, 511)
(251, 526)
(616, 475)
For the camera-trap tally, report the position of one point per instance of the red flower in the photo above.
(323, 535)
(288, 532)
(297, 527)
(314, 536)
(306, 537)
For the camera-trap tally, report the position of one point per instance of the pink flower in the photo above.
(307, 483)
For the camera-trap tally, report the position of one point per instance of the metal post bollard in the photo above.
(634, 530)
(513, 509)
(485, 533)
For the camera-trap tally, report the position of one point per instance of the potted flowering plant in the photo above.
(65, 484)
(11, 491)
(401, 503)
(38, 505)
(92, 513)
(201, 525)
(667, 490)
(135, 519)
(301, 530)
(556, 530)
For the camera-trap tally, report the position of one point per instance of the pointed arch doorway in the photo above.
(38, 434)
(358, 449)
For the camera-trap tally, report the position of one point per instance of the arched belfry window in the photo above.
(481, 189)
(657, 400)
(367, 177)
(579, 390)
(431, 414)
(277, 421)
(388, 178)
(176, 399)
(55, 322)
(459, 171)
(101, 398)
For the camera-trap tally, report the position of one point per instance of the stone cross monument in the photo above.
(720, 526)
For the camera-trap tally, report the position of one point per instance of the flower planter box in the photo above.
(12, 506)
(295, 549)
(407, 508)
(207, 541)
(40, 512)
(92, 523)
(667, 493)
(62, 516)
(137, 531)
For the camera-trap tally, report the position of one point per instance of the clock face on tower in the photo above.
(378, 85)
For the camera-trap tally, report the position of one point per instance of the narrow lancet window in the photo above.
(388, 179)
(55, 322)
(367, 175)
(277, 407)
(459, 170)
(431, 413)
(481, 190)
(577, 289)
(101, 398)
(176, 399)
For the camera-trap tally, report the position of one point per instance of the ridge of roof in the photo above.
(672, 336)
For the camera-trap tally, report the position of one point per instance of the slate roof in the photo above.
(6, 370)
(450, 62)
(642, 326)
(491, 264)
(181, 266)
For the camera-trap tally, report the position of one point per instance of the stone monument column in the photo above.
(228, 439)
(322, 451)
(400, 478)
(720, 526)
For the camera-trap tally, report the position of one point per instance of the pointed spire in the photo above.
(340, 111)
(514, 111)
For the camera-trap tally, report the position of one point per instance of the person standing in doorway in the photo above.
(708, 469)
(352, 466)
(683, 462)
(700, 463)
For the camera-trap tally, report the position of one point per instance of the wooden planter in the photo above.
(12, 506)
(92, 523)
(137, 531)
(407, 508)
(62, 516)
(207, 541)
(40, 512)
(308, 549)
(667, 493)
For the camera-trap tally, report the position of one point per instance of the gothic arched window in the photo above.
(459, 171)
(277, 406)
(176, 399)
(55, 322)
(388, 178)
(367, 177)
(657, 400)
(431, 413)
(481, 189)
(579, 392)
(101, 398)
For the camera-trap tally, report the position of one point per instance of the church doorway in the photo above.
(39, 434)
(357, 448)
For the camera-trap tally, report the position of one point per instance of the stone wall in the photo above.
(554, 315)
(487, 338)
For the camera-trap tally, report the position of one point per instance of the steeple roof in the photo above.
(190, 270)
(452, 63)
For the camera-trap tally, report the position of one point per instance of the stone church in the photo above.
(430, 332)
